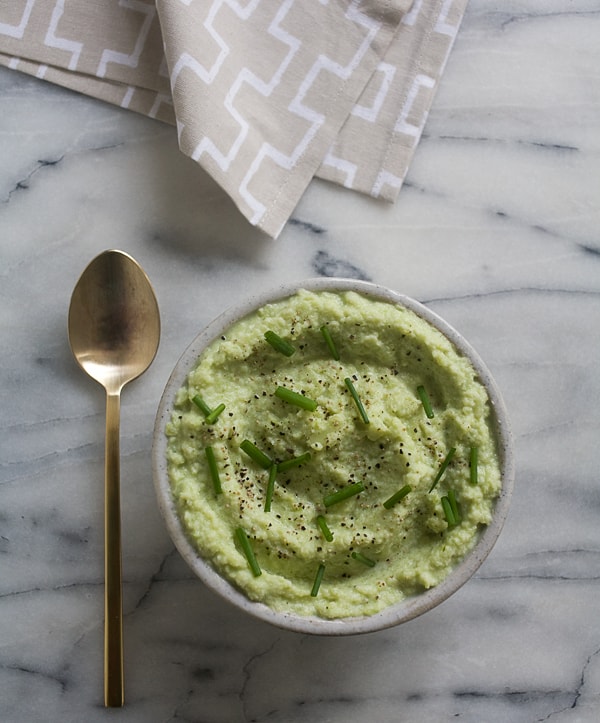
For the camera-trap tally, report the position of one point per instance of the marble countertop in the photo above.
(496, 229)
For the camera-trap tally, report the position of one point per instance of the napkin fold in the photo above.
(265, 94)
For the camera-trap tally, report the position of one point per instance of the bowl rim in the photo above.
(397, 613)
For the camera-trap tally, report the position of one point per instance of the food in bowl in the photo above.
(332, 454)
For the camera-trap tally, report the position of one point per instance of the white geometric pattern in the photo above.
(18, 30)
(442, 25)
(53, 41)
(389, 146)
(304, 110)
(414, 14)
(370, 113)
(264, 94)
(264, 88)
(402, 124)
(385, 178)
(130, 59)
(347, 168)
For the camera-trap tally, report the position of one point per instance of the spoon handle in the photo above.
(113, 595)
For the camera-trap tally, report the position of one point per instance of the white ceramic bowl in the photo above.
(395, 614)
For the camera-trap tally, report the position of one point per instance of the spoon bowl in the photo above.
(114, 323)
(114, 331)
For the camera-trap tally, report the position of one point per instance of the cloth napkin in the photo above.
(265, 94)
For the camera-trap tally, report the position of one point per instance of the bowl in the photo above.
(397, 613)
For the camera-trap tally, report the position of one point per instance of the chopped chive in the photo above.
(293, 462)
(287, 395)
(343, 494)
(255, 453)
(214, 470)
(242, 537)
(210, 414)
(201, 404)
(318, 578)
(454, 505)
(279, 344)
(447, 507)
(425, 401)
(354, 393)
(330, 343)
(443, 467)
(362, 558)
(270, 487)
(214, 415)
(327, 533)
(397, 496)
(473, 460)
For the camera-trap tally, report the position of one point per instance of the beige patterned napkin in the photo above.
(265, 94)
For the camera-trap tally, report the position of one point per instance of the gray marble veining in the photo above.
(496, 229)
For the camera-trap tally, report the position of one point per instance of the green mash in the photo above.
(403, 370)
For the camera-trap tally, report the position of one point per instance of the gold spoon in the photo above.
(114, 330)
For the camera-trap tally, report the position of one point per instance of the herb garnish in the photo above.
(256, 454)
(214, 470)
(443, 468)
(330, 343)
(270, 487)
(397, 496)
(287, 395)
(423, 396)
(448, 512)
(279, 344)
(365, 560)
(473, 460)
(318, 578)
(327, 533)
(343, 494)
(214, 415)
(454, 505)
(211, 415)
(201, 404)
(359, 405)
(293, 462)
(450, 508)
(242, 538)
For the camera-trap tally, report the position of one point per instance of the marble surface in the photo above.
(496, 230)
